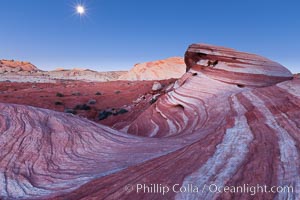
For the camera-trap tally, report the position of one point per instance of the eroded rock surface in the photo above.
(156, 70)
(7, 66)
(84, 75)
(205, 130)
(231, 66)
(19, 71)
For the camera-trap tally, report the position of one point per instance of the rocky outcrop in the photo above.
(157, 70)
(206, 132)
(231, 66)
(84, 75)
(16, 66)
(156, 86)
(45, 153)
(17, 71)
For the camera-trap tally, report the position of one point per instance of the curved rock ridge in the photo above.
(202, 131)
(230, 136)
(156, 70)
(231, 66)
(45, 153)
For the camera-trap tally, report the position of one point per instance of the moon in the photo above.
(80, 9)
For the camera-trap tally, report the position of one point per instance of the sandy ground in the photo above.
(108, 96)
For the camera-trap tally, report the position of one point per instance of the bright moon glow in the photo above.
(80, 9)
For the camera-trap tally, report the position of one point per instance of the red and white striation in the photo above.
(45, 152)
(230, 66)
(206, 130)
(156, 70)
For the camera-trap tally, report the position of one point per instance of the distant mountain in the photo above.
(19, 71)
(84, 74)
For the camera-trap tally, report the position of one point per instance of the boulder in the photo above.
(156, 86)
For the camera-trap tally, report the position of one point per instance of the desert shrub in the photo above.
(153, 100)
(122, 111)
(117, 92)
(114, 111)
(58, 103)
(92, 101)
(69, 110)
(76, 94)
(59, 94)
(98, 93)
(104, 114)
(82, 107)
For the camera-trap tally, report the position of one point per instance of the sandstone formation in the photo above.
(17, 71)
(157, 70)
(227, 65)
(84, 75)
(7, 66)
(233, 123)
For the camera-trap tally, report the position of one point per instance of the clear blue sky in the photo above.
(116, 34)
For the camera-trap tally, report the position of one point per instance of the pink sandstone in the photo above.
(156, 70)
(16, 66)
(236, 122)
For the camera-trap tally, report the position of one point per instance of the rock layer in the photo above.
(156, 70)
(231, 66)
(203, 131)
(84, 75)
(16, 66)
(19, 71)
